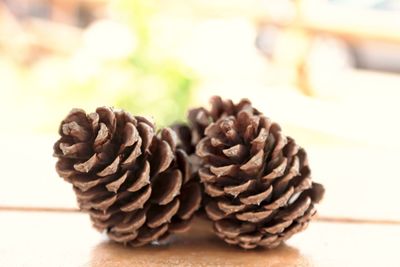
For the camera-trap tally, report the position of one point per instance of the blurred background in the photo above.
(326, 70)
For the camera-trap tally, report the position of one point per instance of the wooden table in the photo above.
(359, 223)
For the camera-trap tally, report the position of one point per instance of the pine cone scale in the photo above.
(162, 214)
(166, 187)
(138, 199)
(190, 199)
(257, 198)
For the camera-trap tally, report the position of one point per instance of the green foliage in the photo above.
(163, 91)
(161, 86)
(146, 82)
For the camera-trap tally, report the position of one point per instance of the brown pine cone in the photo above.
(190, 134)
(134, 184)
(258, 181)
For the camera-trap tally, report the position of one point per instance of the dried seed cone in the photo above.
(190, 134)
(257, 179)
(134, 184)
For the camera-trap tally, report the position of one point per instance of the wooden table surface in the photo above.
(358, 223)
(66, 239)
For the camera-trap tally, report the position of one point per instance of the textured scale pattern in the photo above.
(199, 118)
(257, 179)
(135, 185)
(189, 134)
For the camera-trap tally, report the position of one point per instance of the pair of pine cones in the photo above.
(140, 186)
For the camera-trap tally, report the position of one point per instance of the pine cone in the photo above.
(189, 134)
(258, 181)
(134, 184)
(199, 118)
